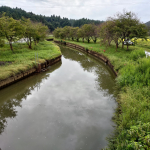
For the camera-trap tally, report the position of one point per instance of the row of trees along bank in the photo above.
(14, 30)
(117, 29)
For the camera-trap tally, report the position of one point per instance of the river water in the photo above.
(69, 107)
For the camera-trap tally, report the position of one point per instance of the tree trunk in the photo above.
(122, 42)
(116, 46)
(88, 40)
(77, 40)
(127, 47)
(30, 44)
(82, 39)
(122, 45)
(10, 43)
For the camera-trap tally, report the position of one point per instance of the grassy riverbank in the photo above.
(23, 58)
(133, 82)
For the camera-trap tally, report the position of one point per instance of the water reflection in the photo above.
(105, 77)
(69, 107)
(11, 97)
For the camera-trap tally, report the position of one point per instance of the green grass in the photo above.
(132, 116)
(23, 58)
(50, 36)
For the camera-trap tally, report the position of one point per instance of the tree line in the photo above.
(123, 26)
(86, 32)
(14, 30)
(52, 22)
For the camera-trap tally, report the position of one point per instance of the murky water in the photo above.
(69, 107)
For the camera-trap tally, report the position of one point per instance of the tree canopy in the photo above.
(11, 29)
(14, 30)
(123, 26)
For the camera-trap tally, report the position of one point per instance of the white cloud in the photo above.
(76, 9)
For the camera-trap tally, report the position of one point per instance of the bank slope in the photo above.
(23, 59)
(132, 116)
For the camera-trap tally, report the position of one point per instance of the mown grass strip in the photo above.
(23, 58)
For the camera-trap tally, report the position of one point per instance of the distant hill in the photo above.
(52, 22)
(147, 23)
(80, 22)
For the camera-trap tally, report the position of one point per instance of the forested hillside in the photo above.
(80, 22)
(52, 22)
(147, 23)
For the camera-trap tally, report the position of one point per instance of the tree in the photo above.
(30, 31)
(66, 30)
(94, 33)
(62, 33)
(33, 31)
(76, 36)
(109, 32)
(129, 26)
(106, 32)
(56, 32)
(81, 34)
(73, 32)
(87, 28)
(11, 29)
(41, 32)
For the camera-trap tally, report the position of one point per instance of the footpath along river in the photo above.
(68, 107)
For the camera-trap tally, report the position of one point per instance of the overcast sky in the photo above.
(76, 9)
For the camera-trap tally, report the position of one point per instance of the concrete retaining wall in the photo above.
(96, 54)
(17, 77)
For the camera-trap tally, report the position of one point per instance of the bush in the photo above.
(135, 74)
(137, 137)
(136, 54)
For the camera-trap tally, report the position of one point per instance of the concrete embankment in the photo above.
(39, 68)
(93, 53)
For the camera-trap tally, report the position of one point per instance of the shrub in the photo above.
(136, 54)
(137, 137)
(135, 74)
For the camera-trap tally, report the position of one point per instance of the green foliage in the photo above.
(34, 32)
(136, 54)
(135, 138)
(135, 74)
(73, 33)
(2, 43)
(12, 29)
(87, 31)
(81, 22)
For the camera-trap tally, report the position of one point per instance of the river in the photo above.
(68, 107)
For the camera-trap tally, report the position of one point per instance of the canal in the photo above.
(68, 107)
